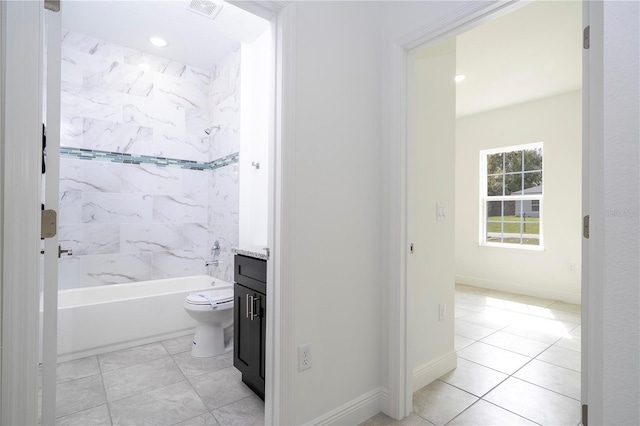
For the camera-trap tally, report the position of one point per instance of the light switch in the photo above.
(441, 212)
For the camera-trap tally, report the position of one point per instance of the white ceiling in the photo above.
(193, 39)
(528, 54)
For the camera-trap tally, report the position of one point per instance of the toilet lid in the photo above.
(206, 297)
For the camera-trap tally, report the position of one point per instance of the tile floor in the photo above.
(155, 384)
(518, 364)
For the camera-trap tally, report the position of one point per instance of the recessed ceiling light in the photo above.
(460, 77)
(144, 66)
(157, 41)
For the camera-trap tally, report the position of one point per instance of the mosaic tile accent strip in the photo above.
(119, 157)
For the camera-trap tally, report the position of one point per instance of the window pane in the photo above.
(494, 210)
(513, 184)
(533, 159)
(513, 161)
(494, 185)
(509, 209)
(494, 164)
(533, 183)
(494, 221)
(530, 225)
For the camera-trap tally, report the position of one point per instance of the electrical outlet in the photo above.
(571, 267)
(304, 356)
(442, 311)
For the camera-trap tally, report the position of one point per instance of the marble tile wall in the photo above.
(134, 222)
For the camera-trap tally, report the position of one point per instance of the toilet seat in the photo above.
(220, 296)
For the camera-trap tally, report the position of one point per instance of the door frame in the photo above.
(400, 369)
(49, 298)
(20, 144)
(279, 315)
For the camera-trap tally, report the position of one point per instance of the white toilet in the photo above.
(213, 310)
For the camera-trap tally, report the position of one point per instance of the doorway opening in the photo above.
(162, 155)
(512, 324)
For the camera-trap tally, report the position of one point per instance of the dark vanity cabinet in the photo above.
(249, 329)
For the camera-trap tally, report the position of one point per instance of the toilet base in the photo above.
(208, 341)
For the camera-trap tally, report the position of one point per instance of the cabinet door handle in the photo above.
(251, 314)
(246, 306)
(253, 307)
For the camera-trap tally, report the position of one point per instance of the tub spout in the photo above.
(214, 262)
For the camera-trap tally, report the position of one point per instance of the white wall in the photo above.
(621, 286)
(555, 121)
(336, 206)
(255, 81)
(431, 269)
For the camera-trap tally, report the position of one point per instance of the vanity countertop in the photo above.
(258, 252)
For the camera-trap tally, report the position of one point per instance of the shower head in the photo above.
(210, 129)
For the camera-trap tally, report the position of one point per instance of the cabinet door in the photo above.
(263, 340)
(246, 338)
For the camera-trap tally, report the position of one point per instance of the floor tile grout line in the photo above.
(134, 364)
(490, 368)
(80, 411)
(509, 350)
(184, 378)
(526, 381)
(204, 373)
(512, 412)
(148, 390)
(519, 353)
(512, 375)
(556, 365)
(73, 380)
(108, 404)
(105, 390)
(536, 340)
(488, 402)
(550, 390)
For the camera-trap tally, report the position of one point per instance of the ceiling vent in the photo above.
(205, 8)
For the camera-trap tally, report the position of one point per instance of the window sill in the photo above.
(514, 246)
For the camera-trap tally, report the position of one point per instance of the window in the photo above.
(511, 196)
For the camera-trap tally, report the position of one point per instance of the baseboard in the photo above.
(431, 371)
(543, 293)
(357, 410)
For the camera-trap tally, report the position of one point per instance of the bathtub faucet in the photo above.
(215, 252)
(215, 249)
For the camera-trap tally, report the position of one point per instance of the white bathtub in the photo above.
(95, 320)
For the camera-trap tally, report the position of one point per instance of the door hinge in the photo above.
(48, 223)
(585, 415)
(585, 226)
(586, 39)
(52, 5)
(411, 248)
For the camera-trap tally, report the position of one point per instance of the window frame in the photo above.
(484, 198)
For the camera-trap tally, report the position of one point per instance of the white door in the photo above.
(50, 185)
(431, 195)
